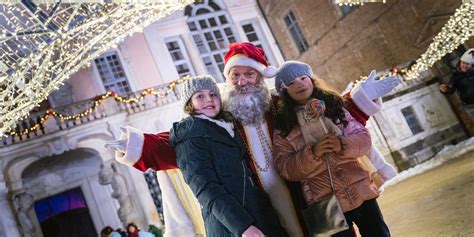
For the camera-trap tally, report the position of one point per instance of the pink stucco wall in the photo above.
(136, 53)
(83, 85)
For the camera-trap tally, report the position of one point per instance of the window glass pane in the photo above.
(217, 34)
(212, 22)
(172, 45)
(287, 21)
(228, 31)
(248, 28)
(212, 46)
(203, 24)
(200, 44)
(223, 19)
(412, 120)
(202, 11)
(208, 36)
(218, 58)
(252, 37)
(192, 26)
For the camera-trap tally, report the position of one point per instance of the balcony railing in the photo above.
(72, 115)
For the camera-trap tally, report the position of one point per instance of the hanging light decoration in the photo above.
(456, 31)
(43, 45)
(355, 2)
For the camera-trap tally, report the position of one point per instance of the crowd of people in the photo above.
(131, 230)
(254, 160)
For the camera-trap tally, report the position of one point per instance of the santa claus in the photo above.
(248, 98)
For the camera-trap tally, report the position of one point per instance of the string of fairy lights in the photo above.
(458, 29)
(97, 102)
(356, 2)
(43, 45)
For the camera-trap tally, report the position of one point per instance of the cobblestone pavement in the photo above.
(438, 202)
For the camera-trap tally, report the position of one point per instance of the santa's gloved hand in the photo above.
(116, 145)
(120, 144)
(377, 88)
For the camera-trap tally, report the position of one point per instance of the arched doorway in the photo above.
(65, 214)
(65, 202)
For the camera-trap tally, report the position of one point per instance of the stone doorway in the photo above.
(65, 214)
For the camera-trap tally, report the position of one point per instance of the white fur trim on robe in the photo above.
(135, 141)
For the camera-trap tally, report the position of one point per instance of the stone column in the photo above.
(8, 225)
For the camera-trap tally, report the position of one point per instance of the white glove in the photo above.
(377, 88)
(120, 144)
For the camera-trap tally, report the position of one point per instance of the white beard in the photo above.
(247, 108)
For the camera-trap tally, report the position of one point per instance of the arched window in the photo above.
(212, 31)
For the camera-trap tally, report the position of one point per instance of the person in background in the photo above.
(109, 232)
(462, 81)
(155, 230)
(134, 231)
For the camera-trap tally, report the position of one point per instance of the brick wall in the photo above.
(372, 36)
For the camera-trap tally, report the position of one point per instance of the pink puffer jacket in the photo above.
(296, 162)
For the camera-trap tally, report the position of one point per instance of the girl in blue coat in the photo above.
(212, 157)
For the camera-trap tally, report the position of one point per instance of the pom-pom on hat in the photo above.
(468, 56)
(247, 54)
(195, 84)
(288, 72)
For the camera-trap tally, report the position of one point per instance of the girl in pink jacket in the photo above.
(312, 129)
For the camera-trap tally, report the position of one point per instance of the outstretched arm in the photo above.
(364, 100)
(143, 151)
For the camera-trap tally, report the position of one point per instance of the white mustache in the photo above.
(249, 89)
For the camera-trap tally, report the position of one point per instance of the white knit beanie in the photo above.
(195, 84)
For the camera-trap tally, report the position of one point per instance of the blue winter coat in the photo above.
(215, 166)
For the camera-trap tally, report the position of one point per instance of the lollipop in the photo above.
(314, 108)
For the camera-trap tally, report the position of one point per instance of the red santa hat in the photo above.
(247, 54)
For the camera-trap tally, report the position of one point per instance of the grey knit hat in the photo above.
(195, 84)
(288, 71)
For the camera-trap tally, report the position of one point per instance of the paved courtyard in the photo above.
(438, 202)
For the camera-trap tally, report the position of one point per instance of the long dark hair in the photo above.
(286, 107)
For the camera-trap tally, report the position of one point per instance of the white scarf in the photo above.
(229, 127)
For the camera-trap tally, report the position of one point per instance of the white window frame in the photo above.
(257, 32)
(207, 58)
(301, 38)
(184, 52)
(98, 78)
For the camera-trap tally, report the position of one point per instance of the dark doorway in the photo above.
(65, 214)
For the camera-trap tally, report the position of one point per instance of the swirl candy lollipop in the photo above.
(315, 108)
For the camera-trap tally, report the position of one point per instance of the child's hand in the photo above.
(252, 231)
(335, 143)
(325, 145)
